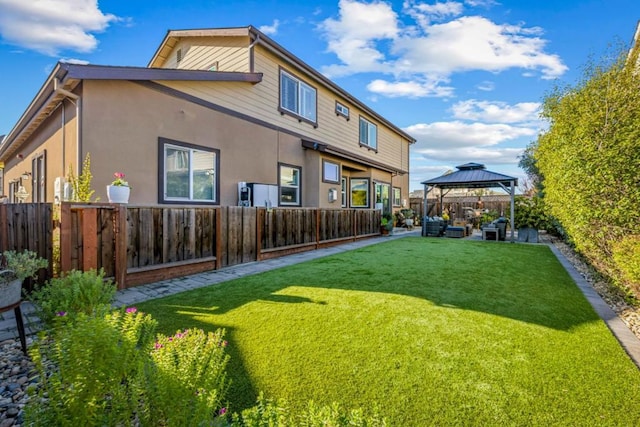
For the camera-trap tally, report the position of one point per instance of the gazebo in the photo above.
(472, 175)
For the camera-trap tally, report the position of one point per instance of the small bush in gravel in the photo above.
(77, 292)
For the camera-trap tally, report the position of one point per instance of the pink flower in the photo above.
(119, 181)
(157, 345)
(223, 411)
(61, 313)
(131, 310)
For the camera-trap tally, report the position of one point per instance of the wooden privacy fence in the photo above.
(138, 244)
(456, 204)
(27, 226)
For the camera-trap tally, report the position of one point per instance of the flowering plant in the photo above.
(119, 181)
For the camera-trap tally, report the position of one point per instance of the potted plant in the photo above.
(529, 218)
(17, 266)
(119, 190)
(408, 215)
(386, 224)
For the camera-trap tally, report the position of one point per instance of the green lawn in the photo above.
(433, 331)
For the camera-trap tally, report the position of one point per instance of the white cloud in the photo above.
(409, 89)
(455, 135)
(476, 43)
(48, 26)
(372, 37)
(486, 86)
(270, 29)
(74, 61)
(352, 37)
(475, 154)
(496, 112)
(425, 13)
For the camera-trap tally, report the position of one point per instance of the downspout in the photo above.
(75, 100)
(253, 43)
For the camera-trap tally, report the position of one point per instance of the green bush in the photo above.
(626, 255)
(77, 292)
(112, 370)
(90, 370)
(186, 382)
(529, 213)
(269, 413)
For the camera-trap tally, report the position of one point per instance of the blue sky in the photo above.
(465, 78)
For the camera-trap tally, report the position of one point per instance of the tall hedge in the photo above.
(590, 162)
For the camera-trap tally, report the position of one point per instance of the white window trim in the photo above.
(189, 150)
(342, 110)
(303, 89)
(368, 192)
(298, 201)
(399, 199)
(367, 139)
(329, 166)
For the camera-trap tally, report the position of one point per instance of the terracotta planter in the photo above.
(118, 193)
(10, 293)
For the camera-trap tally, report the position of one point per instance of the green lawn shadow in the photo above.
(525, 283)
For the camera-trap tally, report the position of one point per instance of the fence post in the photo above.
(260, 218)
(4, 228)
(65, 237)
(218, 242)
(354, 224)
(120, 237)
(89, 239)
(317, 228)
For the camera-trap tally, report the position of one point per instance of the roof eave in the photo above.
(291, 58)
(40, 101)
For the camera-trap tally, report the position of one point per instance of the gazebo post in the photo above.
(424, 209)
(513, 210)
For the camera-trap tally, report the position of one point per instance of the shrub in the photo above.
(113, 370)
(276, 414)
(186, 382)
(77, 292)
(529, 213)
(90, 370)
(626, 255)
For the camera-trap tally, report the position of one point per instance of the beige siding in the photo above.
(261, 101)
(201, 53)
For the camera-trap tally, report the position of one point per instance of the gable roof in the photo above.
(65, 77)
(471, 175)
(172, 38)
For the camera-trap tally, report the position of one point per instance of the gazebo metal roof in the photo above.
(472, 175)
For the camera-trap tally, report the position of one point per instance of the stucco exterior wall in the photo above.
(55, 141)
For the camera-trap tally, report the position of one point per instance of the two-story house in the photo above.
(214, 108)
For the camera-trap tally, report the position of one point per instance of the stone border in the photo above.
(627, 339)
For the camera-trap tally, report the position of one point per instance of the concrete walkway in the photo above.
(132, 296)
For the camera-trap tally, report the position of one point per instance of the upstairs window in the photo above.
(342, 110)
(368, 134)
(297, 98)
